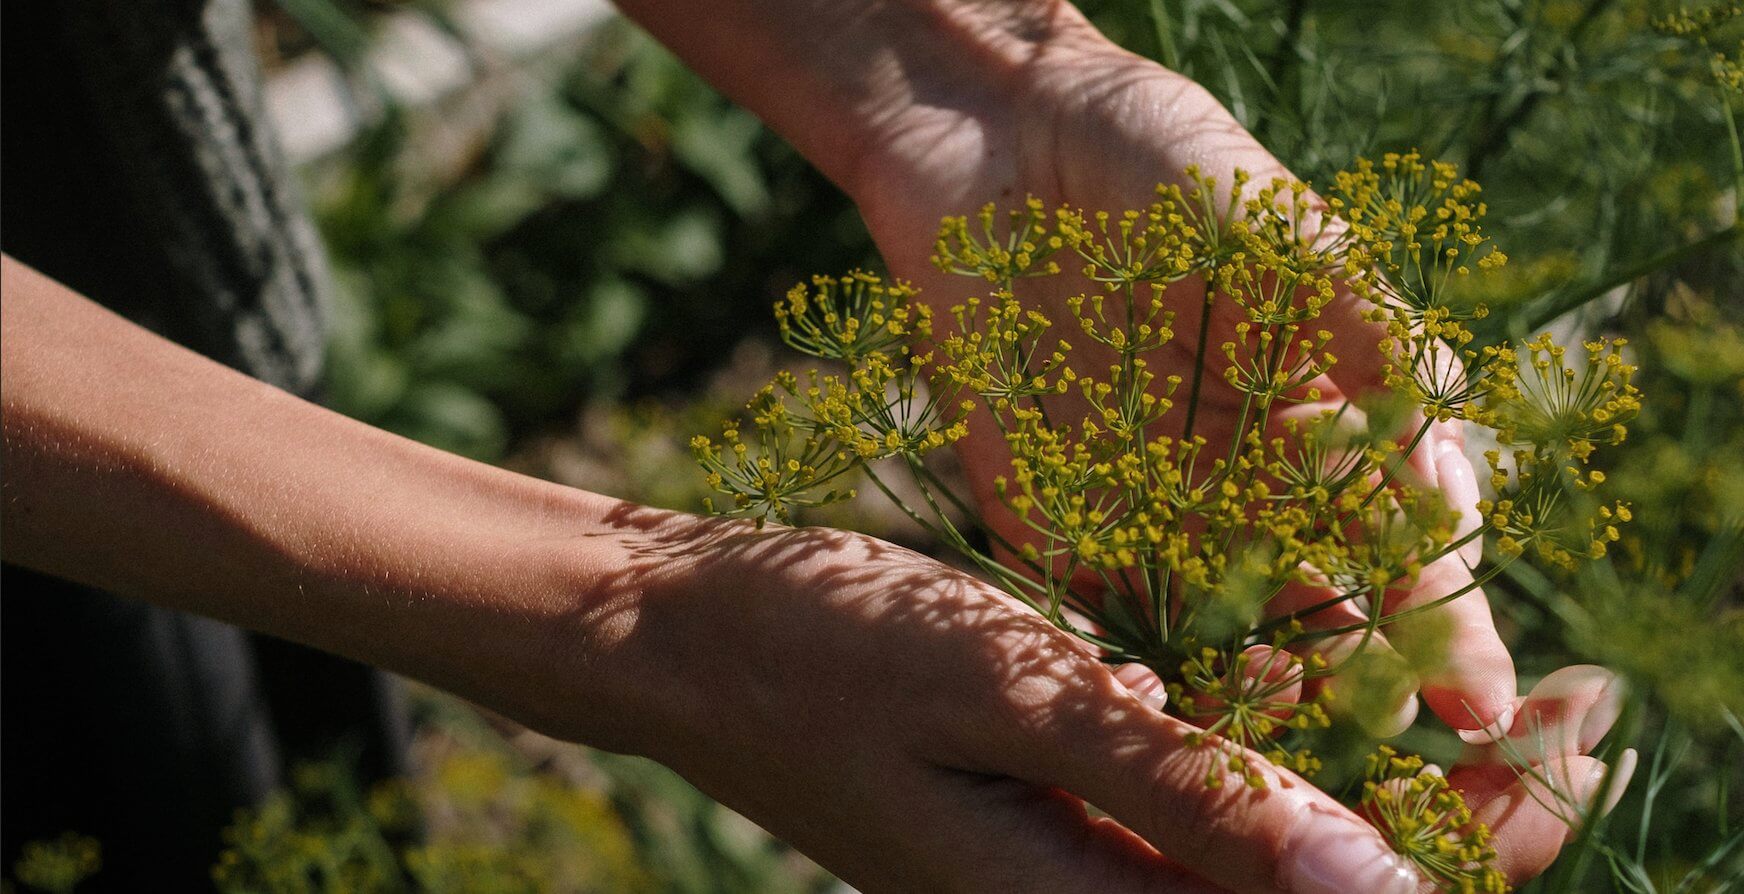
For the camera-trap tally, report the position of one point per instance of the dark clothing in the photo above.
(137, 170)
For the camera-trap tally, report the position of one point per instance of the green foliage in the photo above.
(476, 822)
(59, 865)
(480, 814)
(604, 242)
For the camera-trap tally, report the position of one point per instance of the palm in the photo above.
(1098, 128)
(1097, 131)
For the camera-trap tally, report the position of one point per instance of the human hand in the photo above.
(913, 728)
(1073, 119)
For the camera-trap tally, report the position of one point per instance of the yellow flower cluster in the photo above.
(1172, 539)
(1245, 706)
(1428, 822)
(856, 316)
(1414, 232)
(1706, 28)
(1556, 416)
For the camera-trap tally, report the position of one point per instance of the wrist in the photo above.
(526, 597)
(630, 661)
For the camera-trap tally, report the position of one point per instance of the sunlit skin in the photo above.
(908, 726)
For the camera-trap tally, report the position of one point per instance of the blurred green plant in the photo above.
(605, 241)
(58, 865)
(476, 822)
(487, 814)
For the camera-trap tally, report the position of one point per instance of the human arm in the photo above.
(908, 726)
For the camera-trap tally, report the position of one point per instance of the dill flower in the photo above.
(1427, 821)
(850, 317)
(1157, 544)
(1538, 399)
(1025, 251)
(1704, 29)
(1244, 702)
(783, 474)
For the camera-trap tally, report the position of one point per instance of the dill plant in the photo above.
(1157, 544)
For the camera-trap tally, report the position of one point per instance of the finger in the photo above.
(1144, 683)
(1002, 834)
(1468, 675)
(1457, 479)
(1438, 462)
(1568, 712)
(910, 825)
(1369, 681)
(1535, 789)
(1081, 731)
(1467, 672)
(1372, 684)
(1533, 814)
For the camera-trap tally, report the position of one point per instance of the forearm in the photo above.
(136, 466)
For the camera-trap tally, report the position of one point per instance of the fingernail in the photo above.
(1496, 730)
(1326, 853)
(1453, 472)
(1620, 779)
(1399, 721)
(1575, 707)
(1141, 682)
(1586, 793)
(1602, 715)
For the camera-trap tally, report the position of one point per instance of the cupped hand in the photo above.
(1073, 119)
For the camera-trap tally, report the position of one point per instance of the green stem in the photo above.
(1199, 363)
(1737, 156)
(1286, 620)
(1165, 36)
(1393, 472)
(1562, 304)
(1454, 546)
(1006, 577)
(1696, 420)
(920, 470)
